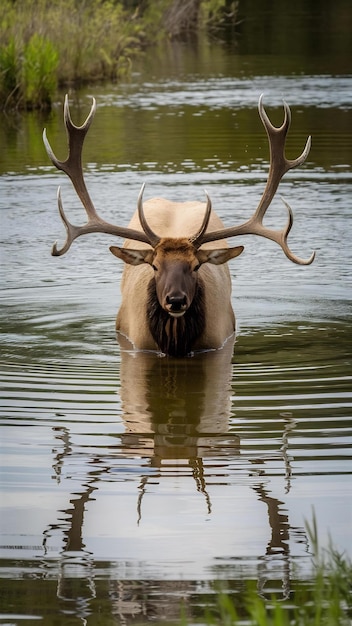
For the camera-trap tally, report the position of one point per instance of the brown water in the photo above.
(132, 483)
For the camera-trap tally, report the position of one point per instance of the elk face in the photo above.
(175, 263)
(175, 267)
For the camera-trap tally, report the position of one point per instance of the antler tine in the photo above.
(197, 238)
(72, 166)
(279, 165)
(283, 243)
(153, 239)
(71, 230)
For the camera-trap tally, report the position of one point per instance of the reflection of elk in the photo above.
(178, 410)
(186, 401)
(176, 287)
(176, 414)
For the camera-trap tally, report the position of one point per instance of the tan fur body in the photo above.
(176, 220)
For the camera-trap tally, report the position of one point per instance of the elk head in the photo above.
(175, 262)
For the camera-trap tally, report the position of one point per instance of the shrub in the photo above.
(40, 61)
(28, 72)
(50, 42)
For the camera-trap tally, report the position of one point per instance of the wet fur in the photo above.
(176, 336)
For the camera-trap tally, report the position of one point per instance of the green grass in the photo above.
(46, 43)
(325, 600)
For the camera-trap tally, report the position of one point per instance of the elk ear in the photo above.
(132, 257)
(217, 257)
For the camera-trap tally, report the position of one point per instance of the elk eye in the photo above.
(196, 268)
(154, 267)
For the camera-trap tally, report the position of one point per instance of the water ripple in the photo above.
(322, 91)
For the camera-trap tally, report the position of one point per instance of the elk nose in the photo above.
(176, 303)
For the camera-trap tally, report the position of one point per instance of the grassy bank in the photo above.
(47, 43)
(326, 600)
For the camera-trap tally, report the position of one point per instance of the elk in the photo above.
(176, 284)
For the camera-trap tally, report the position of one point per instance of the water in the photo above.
(132, 483)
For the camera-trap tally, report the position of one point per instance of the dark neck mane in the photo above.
(176, 336)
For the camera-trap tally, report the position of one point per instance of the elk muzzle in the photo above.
(176, 305)
(175, 287)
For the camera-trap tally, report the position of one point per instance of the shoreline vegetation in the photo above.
(325, 600)
(47, 44)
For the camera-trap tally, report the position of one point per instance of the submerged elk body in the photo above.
(176, 285)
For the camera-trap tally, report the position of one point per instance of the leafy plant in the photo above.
(326, 600)
(46, 43)
(40, 63)
(10, 69)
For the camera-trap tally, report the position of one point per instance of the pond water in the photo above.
(132, 483)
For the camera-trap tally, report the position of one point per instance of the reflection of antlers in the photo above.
(142, 490)
(198, 474)
(196, 463)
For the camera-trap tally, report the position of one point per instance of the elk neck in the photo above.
(176, 336)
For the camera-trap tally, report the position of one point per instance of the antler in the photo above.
(73, 168)
(154, 239)
(197, 238)
(279, 165)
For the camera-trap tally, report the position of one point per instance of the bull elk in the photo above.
(176, 285)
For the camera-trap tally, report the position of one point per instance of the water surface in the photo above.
(132, 482)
